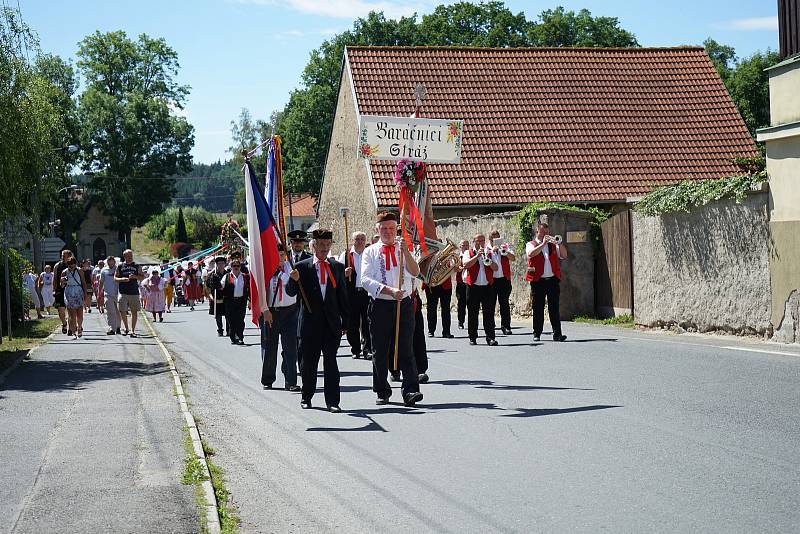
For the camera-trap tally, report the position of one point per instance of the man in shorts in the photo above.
(108, 289)
(128, 276)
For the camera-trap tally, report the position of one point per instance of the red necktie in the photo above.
(388, 252)
(325, 273)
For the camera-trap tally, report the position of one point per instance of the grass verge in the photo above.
(26, 336)
(623, 321)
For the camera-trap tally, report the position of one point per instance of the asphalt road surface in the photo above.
(614, 430)
(91, 440)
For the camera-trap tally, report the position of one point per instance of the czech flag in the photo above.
(264, 257)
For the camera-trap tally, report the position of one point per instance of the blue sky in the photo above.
(250, 53)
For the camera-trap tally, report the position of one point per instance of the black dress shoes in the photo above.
(412, 398)
(396, 377)
(506, 331)
(536, 337)
(356, 356)
(430, 334)
(448, 335)
(293, 389)
(473, 341)
(560, 338)
(367, 356)
(380, 401)
(220, 334)
(268, 386)
(491, 342)
(334, 409)
(305, 404)
(423, 378)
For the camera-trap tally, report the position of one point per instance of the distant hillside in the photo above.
(212, 187)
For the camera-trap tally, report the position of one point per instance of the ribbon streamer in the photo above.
(407, 201)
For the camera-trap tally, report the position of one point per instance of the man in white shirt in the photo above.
(544, 274)
(358, 327)
(279, 320)
(479, 278)
(109, 290)
(380, 276)
(235, 294)
(503, 255)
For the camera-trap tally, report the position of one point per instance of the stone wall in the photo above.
(577, 286)
(707, 270)
(346, 182)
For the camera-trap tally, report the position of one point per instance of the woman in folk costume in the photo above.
(192, 285)
(154, 286)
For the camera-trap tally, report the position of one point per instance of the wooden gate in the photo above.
(614, 268)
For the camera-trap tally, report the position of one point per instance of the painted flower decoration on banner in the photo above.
(409, 174)
(454, 132)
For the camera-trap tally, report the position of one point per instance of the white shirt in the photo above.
(283, 279)
(238, 283)
(498, 259)
(323, 287)
(481, 281)
(548, 269)
(356, 264)
(375, 274)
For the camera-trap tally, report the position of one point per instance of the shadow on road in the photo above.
(488, 384)
(37, 375)
(538, 412)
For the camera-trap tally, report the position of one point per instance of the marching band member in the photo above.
(503, 255)
(479, 267)
(216, 305)
(279, 321)
(544, 274)
(439, 296)
(358, 327)
(323, 325)
(380, 275)
(420, 347)
(461, 287)
(235, 294)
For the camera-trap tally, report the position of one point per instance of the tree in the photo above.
(746, 81)
(131, 138)
(181, 235)
(558, 27)
(308, 116)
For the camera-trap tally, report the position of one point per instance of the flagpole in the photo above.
(399, 286)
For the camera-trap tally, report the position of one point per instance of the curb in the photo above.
(16, 363)
(212, 512)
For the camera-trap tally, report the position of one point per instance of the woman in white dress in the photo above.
(46, 288)
(30, 280)
(75, 292)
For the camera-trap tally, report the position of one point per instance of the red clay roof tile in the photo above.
(560, 124)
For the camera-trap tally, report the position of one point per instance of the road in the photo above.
(91, 440)
(614, 430)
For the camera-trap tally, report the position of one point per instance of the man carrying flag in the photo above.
(264, 257)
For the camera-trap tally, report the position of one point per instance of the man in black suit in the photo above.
(214, 285)
(298, 240)
(323, 325)
(235, 294)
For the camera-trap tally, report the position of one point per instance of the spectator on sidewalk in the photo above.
(128, 275)
(74, 284)
(30, 281)
(58, 291)
(109, 289)
(46, 288)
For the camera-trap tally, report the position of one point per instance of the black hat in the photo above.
(321, 233)
(298, 235)
(220, 258)
(386, 216)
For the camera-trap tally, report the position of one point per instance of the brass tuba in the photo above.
(436, 267)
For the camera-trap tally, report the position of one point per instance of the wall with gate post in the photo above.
(577, 285)
(705, 271)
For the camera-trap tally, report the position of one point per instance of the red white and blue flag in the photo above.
(264, 257)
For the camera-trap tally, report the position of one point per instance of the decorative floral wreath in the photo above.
(228, 236)
(409, 174)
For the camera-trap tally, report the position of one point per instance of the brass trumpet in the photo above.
(487, 258)
(557, 239)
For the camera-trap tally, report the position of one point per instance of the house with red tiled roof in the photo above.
(300, 210)
(573, 125)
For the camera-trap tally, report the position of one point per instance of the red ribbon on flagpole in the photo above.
(407, 201)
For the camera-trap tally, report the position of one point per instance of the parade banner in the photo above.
(409, 138)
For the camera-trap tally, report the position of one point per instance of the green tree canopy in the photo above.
(132, 139)
(308, 117)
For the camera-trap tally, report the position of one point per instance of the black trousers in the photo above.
(480, 298)
(382, 314)
(461, 299)
(218, 311)
(438, 296)
(502, 288)
(324, 342)
(419, 344)
(358, 325)
(549, 288)
(235, 310)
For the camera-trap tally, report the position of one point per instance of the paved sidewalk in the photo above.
(91, 439)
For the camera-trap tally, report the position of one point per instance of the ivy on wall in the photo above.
(528, 216)
(684, 196)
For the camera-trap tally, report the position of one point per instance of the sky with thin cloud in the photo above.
(250, 53)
